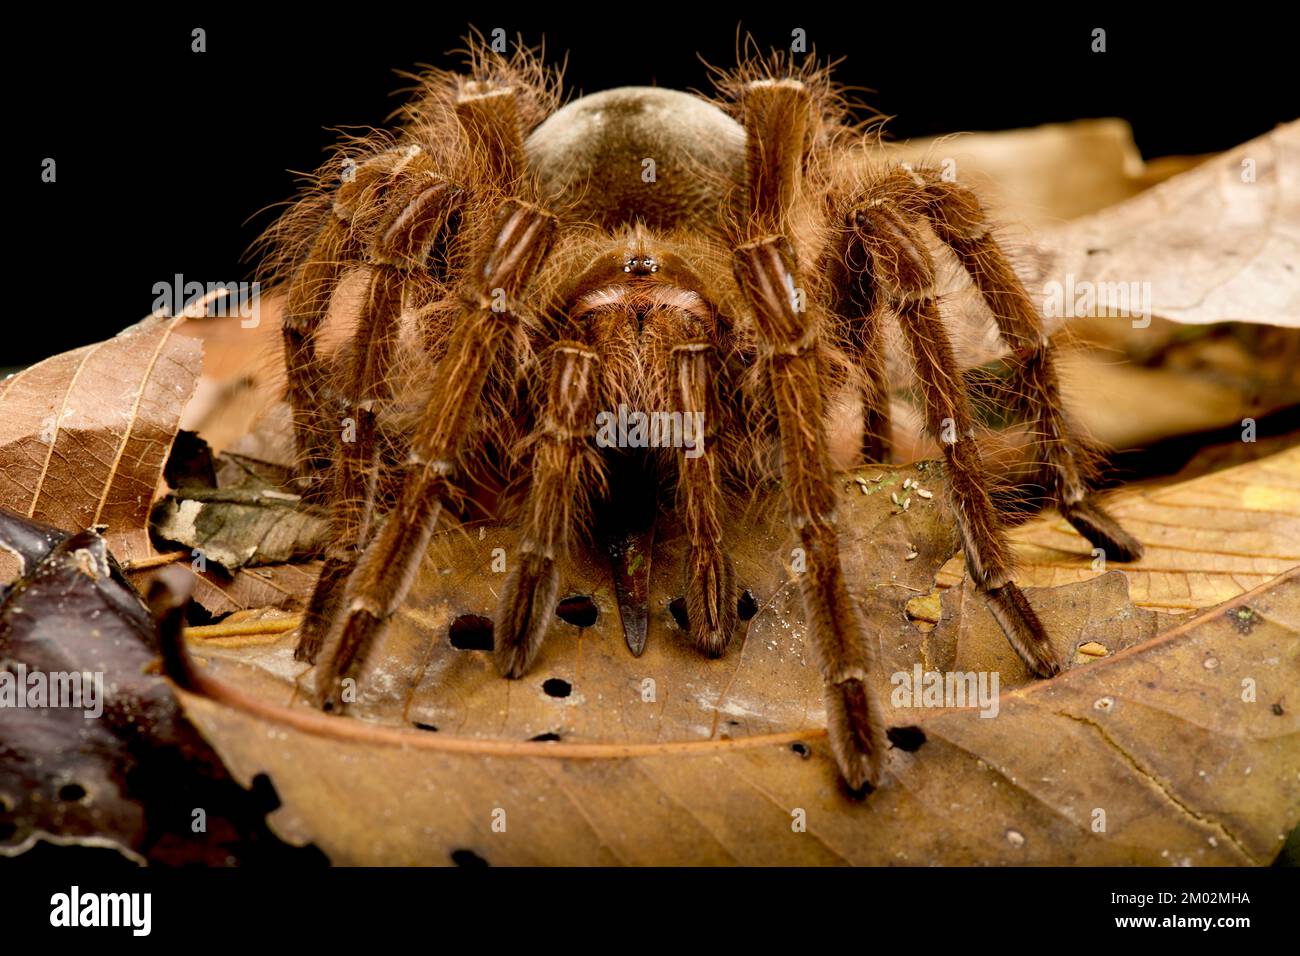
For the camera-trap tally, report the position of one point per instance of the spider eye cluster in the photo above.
(641, 267)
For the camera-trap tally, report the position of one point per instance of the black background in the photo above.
(169, 160)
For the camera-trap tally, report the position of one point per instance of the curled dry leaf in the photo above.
(598, 757)
(1044, 174)
(84, 435)
(248, 534)
(1197, 383)
(242, 373)
(1218, 243)
(231, 514)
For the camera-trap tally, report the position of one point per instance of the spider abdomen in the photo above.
(666, 158)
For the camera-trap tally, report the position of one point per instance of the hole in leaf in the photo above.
(556, 687)
(71, 792)
(547, 736)
(677, 608)
(747, 606)
(430, 727)
(801, 749)
(906, 738)
(468, 858)
(579, 610)
(471, 632)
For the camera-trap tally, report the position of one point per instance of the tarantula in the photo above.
(510, 269)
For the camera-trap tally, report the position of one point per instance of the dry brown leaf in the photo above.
(122, 769)
(281, 586)
(253, 534)
(1203, 386)
(1099, 614)
(1207, 540)
(1045, 174)
(242, 375)
(712, 762)
(84, 435)
(1201, 247)
(286, 586)
(1213, 244)
(457, 581)
(1209, 248)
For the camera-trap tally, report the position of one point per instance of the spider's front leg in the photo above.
(903, 266)
(777, 115)
(564, 468)
(710, 580)
(483, 335)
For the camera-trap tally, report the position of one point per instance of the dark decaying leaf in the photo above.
(1167, 741)
(247, 517)
(132, 776)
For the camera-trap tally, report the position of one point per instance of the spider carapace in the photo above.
(727, 263)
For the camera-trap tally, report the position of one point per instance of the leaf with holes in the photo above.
(599, 757)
